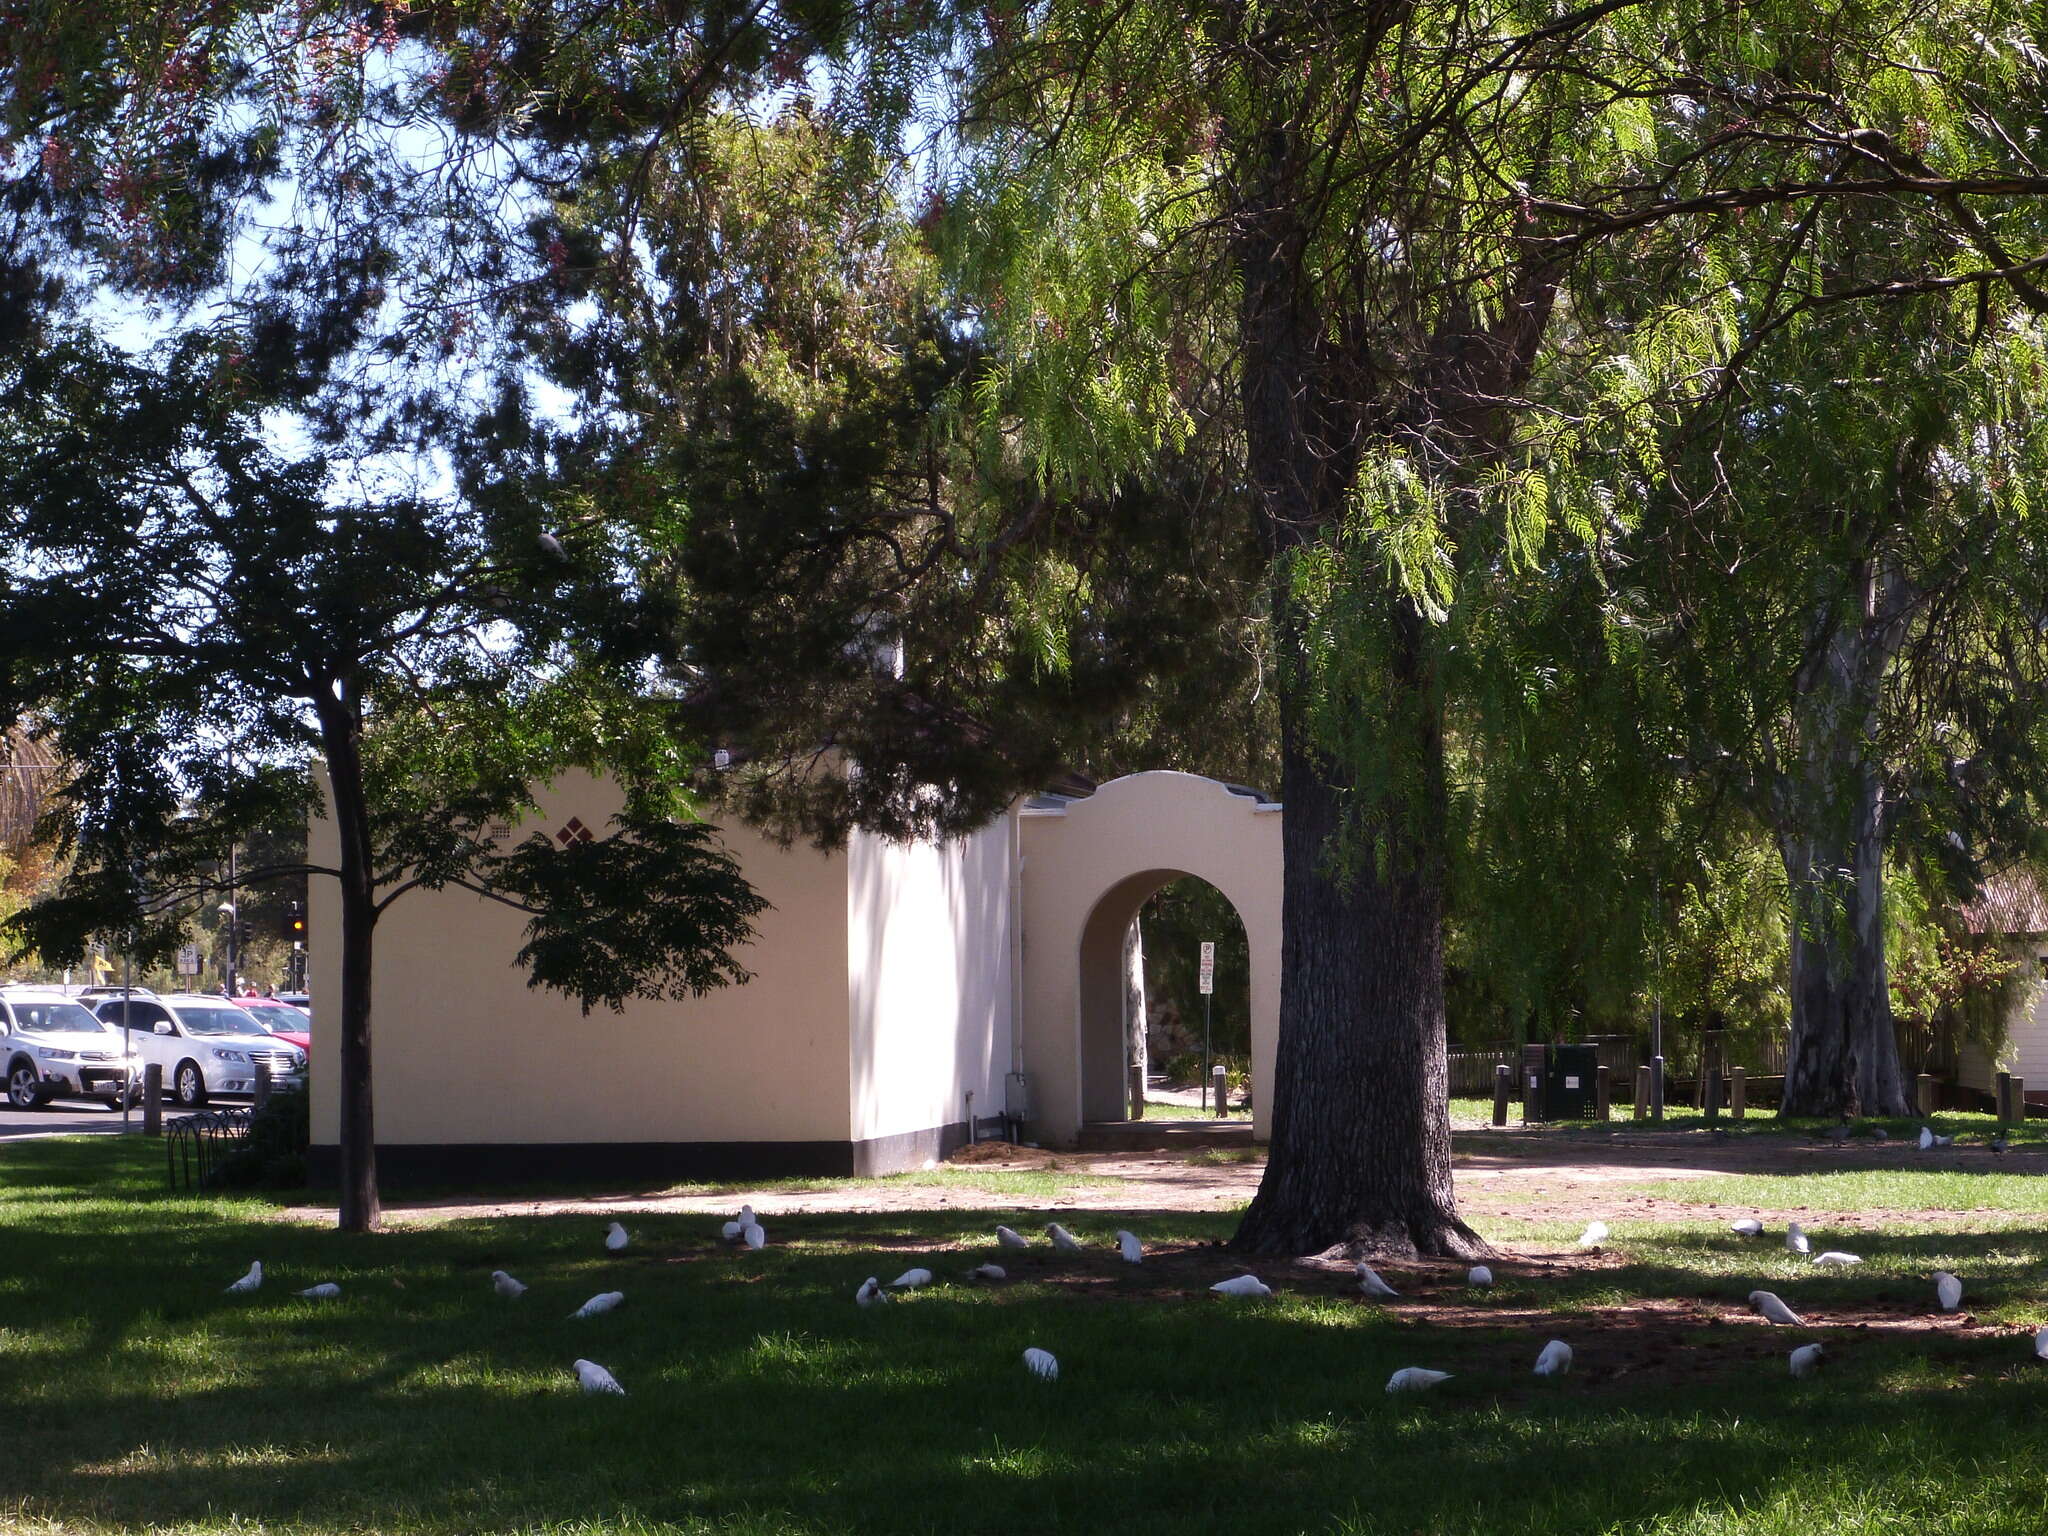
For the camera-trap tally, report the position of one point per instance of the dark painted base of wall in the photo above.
(498, 1164)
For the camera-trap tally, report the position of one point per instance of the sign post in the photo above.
(1208, 982)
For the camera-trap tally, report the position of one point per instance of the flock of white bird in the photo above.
(1554, 1359)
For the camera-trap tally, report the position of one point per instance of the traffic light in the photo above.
(244, 932)
(295, 921)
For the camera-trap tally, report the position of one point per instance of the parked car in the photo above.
(206, 1045)
(281, 1019)
(54, 1048)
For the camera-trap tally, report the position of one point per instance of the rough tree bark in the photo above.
(341, 736)
(1828, 808)
(1361, 1146)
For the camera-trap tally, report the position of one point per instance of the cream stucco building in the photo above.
(901, 993)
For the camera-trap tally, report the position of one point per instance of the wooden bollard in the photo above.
(261, 1096)
(153, 1099)
(1657, 1088)
(1503, 1081)
(1710, 1093)
(1603, 1092)
(1219, 1091)
(1923, 1093)
(2016, 1100)
(1738, 1092)
(1642, 1093)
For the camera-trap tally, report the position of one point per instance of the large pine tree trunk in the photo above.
(341, 736)
(1361, 1140)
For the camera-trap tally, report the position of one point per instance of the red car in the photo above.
(281, 1019)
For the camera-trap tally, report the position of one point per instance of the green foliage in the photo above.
(193, 617)
(273, 1154)
(655, 912)
(1178, 918)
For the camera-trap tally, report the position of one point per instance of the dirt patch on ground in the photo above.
(1542, 1176)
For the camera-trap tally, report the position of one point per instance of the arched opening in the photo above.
(1176, 911)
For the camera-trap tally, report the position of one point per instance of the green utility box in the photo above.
(1569, 1092)
(1557, 1082)
(1535, 1084)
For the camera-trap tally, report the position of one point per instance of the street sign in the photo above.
(188, 960)
(1208, 967)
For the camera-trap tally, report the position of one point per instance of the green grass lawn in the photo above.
(136, 1397)
(1470, 1114)
(1160, 1109)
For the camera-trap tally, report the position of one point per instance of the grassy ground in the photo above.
(134, 1396)
(1469, 1114)
(1165, 1109)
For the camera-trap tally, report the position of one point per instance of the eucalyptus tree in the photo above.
(199, 622)
(1857, 609)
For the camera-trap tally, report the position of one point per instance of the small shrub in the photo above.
(273, 1156)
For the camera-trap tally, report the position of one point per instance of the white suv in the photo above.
(54, 1048)
(206, 1045)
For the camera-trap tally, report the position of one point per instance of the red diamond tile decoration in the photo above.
(574, 832)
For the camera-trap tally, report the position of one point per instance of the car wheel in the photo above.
(191, 1085)
(23, 1091)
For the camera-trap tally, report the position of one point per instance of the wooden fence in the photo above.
(1761, 1056)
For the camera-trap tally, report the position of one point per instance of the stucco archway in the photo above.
(1088, 864)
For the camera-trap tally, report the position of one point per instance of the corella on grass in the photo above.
(1555, 1359)
(1415, 1378)
(249, 1282)
(1128, 1245)
(1774, 1309)
(1948, 1290)
(988, 1272)
(1479, 1274)
(1010, 1237)
(911, 1279)
(1806, 1359)
(1241, 1285)
(1040, 1363)
(1594, 1235)
(326, 1290)
(593, 1377)
(1061, 1238)
(505, 1285)
(601, 1303)
(1370, 1282)
(1834, 1258)
(1796, 1241)
(752, 1235)
(616, 1238)
(1749, 1226)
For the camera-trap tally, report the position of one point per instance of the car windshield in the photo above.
(218, 1021)
(277, 1018)
(49, 1018)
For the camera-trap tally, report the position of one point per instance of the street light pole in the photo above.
(233, 907)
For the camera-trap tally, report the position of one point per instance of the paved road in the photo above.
(67, 1117)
